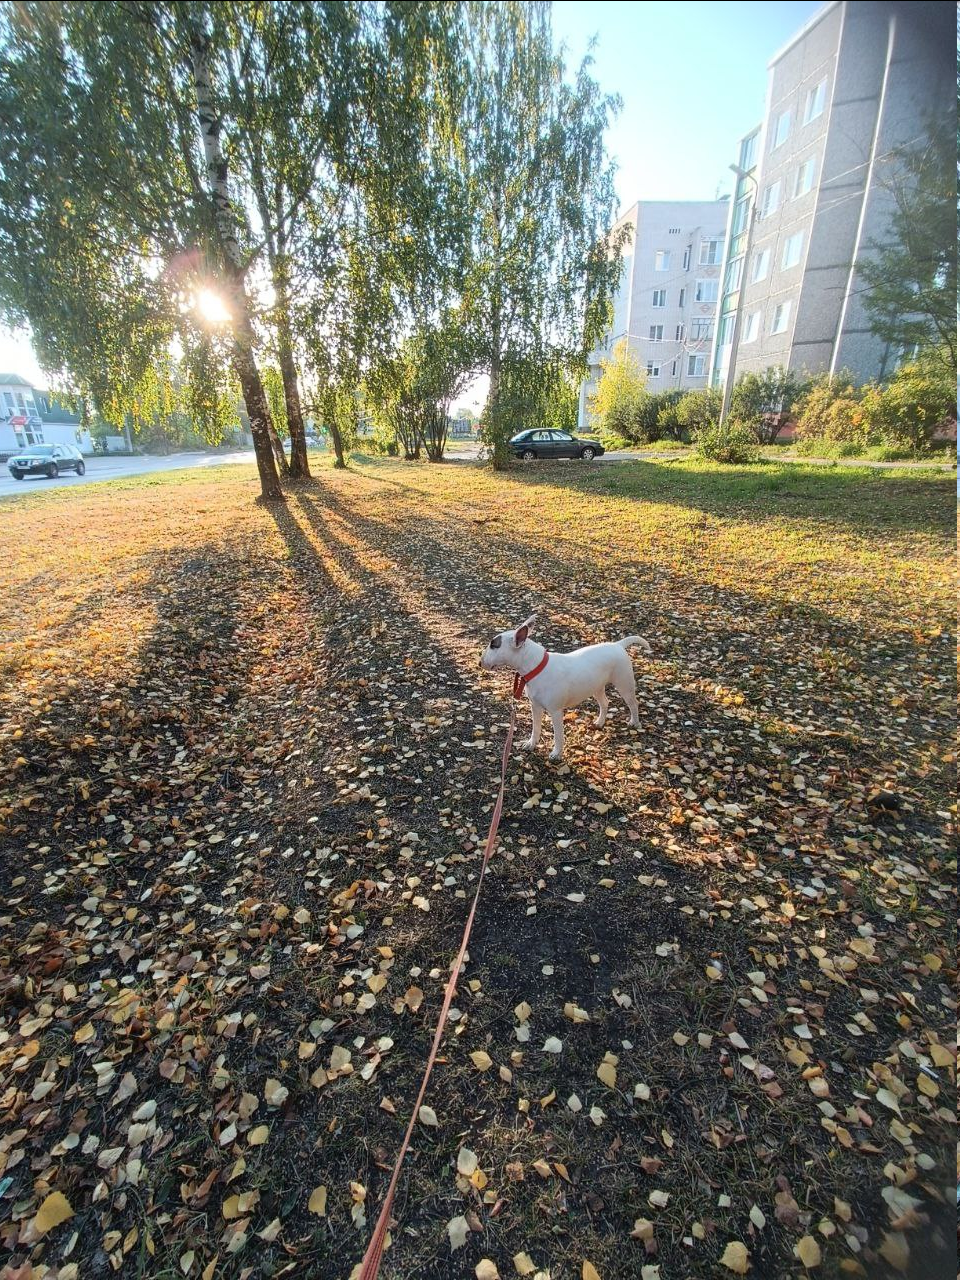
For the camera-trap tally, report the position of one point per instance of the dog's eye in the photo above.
(495, 642)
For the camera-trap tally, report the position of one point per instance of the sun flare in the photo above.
(211, 307)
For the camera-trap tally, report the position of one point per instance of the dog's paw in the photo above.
(556, 755)
(527, 744)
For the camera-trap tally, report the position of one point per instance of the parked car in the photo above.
(46, 460)
(542, 443)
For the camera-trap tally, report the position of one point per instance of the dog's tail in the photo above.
(630, 641)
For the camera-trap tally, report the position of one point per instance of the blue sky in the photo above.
(693, 79)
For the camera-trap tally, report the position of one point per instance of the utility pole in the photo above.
(738, 315)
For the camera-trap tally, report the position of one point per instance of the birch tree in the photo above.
(540, 200)
(114, 124)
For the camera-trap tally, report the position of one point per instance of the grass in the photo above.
(788, 450)
(237, 746)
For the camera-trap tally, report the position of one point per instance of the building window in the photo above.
(751, 330)
(679, 333)
(816, 101)
(8, 403)
(725, 332)
(696, 366)
(686, 257)
(683, 299)
(741, 212)
(771, 199)
(761, 266)
(659, 297)
(781, 317)
(792, 250)
(701, 328)
(803, 179)
(673, 369)
(781, 130)
(674, 231)
(734, 275)
(711, 251)
(656, 333)
(661, 260)
(748, 152)
(707, 291)
(653, 369)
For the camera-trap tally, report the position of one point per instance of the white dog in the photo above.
(555, 681)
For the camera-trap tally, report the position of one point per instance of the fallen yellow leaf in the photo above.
(54, 1210)
(736, 1258)
(808, 1251)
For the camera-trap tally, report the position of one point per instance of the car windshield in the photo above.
(37, 451)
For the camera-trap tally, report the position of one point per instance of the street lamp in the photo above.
(738, 314)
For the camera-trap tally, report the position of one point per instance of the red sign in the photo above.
(18, 421)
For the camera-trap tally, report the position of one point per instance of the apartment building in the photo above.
(858, 81)
(667, 298)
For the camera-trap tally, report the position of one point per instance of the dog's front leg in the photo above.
(537, 712)
(556, 718)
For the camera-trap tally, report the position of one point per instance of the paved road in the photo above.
(114, 468)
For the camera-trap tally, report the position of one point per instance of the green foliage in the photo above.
(824, 447)
(273, 386)
(838, 419)
(669, 425)
(911, 275)
(538, 201)
(764, 399)
(615, 404)
(534, 394)
(830, 412)
(408, 394)
(919, 398)
(696, 409)
(734, 442)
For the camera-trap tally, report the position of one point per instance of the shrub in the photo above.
(646, 410)
(832, 412)
(906, 412)
(669, 425)
(764, 400)
(733, 442)
(614, 403)
(697, 409)
(823, 447)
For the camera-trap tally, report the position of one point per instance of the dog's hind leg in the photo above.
(625, 685)
(603, 704)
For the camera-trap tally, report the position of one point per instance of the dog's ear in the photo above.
(523, 631)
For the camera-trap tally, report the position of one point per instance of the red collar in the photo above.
(521, 682)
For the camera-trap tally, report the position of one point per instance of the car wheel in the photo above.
(528, 456)
(81, 468)
(17, 475)
(52, 471)
(588, 454)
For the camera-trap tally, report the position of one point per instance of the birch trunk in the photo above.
(243, 357)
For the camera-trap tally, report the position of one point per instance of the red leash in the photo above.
(370, 1267)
